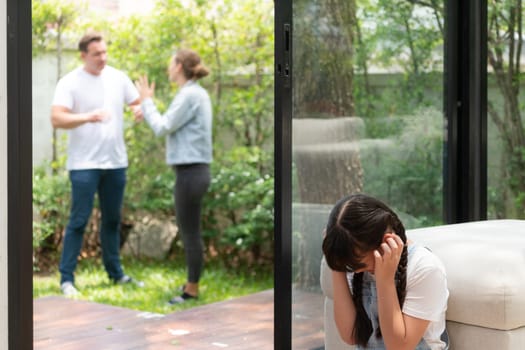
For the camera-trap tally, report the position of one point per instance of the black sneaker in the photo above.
(128, 280)
(184, 297)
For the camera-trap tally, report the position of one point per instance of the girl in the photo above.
(187, 125)
(388, 293)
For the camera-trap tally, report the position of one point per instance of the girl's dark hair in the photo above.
(191, 64)
(356, 226)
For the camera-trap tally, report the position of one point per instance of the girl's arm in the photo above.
(344, 309)
(399, 331)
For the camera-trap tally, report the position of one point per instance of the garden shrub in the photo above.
(238, 210)
(51, 199)
(150, 180)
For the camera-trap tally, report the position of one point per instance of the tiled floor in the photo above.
(243, 323)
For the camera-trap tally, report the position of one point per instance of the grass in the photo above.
(162, 280)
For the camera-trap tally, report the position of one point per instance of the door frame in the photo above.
(19, 176)
(283, 175)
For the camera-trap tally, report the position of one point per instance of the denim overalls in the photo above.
(370, 304)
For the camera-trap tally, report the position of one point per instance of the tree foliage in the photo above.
(50, 20)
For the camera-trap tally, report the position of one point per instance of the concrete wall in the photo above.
(44, 81)
(3, 177)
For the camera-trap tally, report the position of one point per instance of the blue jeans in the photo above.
(109, 184)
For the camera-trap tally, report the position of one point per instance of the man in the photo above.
(89, 103)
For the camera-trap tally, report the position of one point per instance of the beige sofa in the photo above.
(485, 262)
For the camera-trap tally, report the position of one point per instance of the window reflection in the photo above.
(505, 109)
(367, 117)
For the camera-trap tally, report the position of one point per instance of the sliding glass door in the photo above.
(367, 116)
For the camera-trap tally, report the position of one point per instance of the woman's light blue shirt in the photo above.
(187, 125)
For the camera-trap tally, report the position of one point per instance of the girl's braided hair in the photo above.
(356, 225)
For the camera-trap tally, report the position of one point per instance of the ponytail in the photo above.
(191, 64)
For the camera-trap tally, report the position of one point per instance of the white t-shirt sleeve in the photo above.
(427, 292)
(130, 91)
(63, 95)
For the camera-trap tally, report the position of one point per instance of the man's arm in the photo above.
(136, 109)
(63, 118)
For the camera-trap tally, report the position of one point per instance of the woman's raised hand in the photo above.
(145, 89)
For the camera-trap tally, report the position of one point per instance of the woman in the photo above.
(187, 125)
(388, 293)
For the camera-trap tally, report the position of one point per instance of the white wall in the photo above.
(3, 177)
(44, 80)
(44, 77)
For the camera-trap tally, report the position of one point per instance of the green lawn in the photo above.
(162, 279)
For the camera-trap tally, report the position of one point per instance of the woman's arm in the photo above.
(178, 113)
(399, 331)
(344, 309)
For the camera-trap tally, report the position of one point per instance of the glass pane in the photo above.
(367, 117)
(506, 109)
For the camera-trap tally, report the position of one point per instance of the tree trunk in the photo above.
(54, 155)
(324, 58)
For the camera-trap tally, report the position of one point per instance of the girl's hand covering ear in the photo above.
(387, 260)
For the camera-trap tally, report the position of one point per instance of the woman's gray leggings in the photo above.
(192, 182)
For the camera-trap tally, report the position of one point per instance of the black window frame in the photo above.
(283, 179)
(465, 86)
(19, 176)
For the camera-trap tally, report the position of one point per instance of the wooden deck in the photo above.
(243, 323)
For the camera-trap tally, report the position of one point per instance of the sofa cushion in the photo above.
(485, 263)
(468, 337)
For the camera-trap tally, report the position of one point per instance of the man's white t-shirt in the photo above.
(96, 145)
